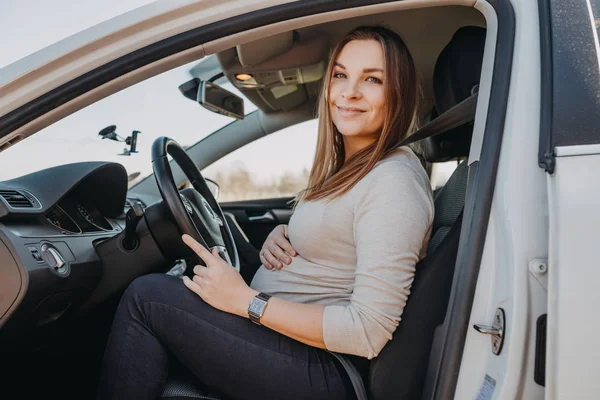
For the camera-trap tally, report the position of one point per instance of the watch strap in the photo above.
(263, 296)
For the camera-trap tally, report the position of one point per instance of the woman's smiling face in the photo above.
(357, 92)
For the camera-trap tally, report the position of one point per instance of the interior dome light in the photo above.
(243, 77)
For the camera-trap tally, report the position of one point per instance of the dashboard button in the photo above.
(35, 253)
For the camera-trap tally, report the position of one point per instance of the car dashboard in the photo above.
(50, 224)
(78, 213)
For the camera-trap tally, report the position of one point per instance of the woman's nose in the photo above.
(351, 89)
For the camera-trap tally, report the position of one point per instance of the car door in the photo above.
(258, 217)
(258, 182)
(570, 154)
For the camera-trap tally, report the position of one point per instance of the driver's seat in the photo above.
(182, 385)
(399, 370)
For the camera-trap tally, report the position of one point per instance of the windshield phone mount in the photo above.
(110, 132)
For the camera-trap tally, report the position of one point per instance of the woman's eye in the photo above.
(338, 75)
(372, 79)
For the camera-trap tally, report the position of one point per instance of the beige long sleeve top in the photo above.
(357, 254)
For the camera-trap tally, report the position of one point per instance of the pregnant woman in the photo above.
(335, 280)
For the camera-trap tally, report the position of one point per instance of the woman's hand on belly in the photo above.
(277, 249)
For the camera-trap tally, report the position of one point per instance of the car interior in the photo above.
(73, 237)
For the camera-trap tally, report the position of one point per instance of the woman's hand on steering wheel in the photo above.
(277, 249)
(218, 284)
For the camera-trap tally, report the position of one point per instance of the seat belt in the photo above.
(456, 116)
(355, 379)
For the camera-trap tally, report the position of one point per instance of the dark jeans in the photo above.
(159, 318)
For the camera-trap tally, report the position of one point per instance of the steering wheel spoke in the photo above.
(195, 211)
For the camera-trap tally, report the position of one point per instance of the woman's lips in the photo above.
(349, 111)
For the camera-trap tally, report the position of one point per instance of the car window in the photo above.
(441, 172)
(275, 166)
(155, 107)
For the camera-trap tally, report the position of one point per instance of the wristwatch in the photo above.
(257, 307)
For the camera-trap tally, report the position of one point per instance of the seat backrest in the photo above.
(400, 368)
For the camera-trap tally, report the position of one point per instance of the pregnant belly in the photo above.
(306, 282)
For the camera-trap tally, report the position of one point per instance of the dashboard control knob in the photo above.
(54, 259)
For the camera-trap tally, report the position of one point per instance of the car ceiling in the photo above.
(291, 64)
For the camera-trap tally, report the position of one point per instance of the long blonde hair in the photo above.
(329, 175)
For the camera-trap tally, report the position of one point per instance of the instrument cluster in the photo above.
(74, 216)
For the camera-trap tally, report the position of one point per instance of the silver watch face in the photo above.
(256, 306)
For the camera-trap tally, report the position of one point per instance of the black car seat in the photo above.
(399, 370)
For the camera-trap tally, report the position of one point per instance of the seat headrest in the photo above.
(456, 77)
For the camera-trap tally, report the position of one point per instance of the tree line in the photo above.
(238, 184)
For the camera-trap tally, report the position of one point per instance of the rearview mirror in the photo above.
(216, 99)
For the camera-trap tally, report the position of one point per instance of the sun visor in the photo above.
(303, 62)
(283, 81)
(257, 52)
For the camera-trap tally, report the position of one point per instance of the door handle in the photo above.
(267, 216)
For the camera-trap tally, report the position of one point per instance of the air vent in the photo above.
(19, 199)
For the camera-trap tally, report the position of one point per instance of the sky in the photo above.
(155, 106)
(30, 25)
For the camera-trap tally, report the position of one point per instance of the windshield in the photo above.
(154, 107)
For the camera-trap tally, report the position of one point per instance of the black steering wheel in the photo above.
(195, 210)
